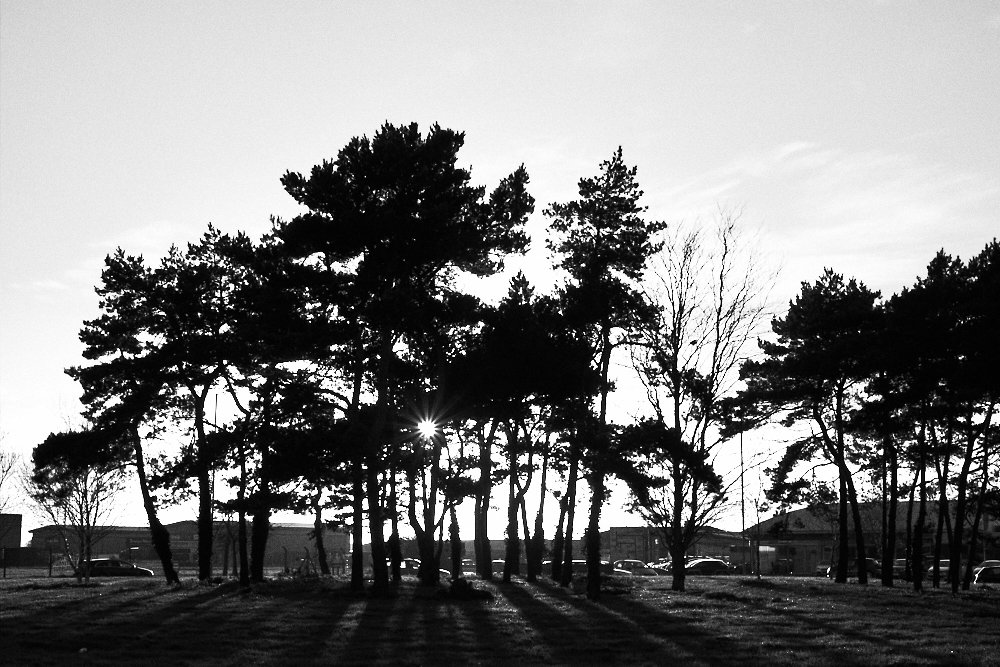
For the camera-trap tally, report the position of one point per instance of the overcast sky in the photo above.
(863, 136)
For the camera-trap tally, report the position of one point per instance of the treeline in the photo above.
(898, 396)
(368, 383)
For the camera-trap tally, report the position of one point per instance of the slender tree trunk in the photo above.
(160, 535)
(889, 554)
(380, 572)
(537, 551)
(395, 549)
(205, 518)
(241, 531)
(859, 531)
(980, 501)
(842, 545)
(318, 529)
(574, 471)
(558, 540)
(908, 570)
(918, 529)
(598, 472)
(676, 544)
(357, 528)
(456, 543)
(484, 550)
(259, 526)
(512, 555)
(357, 487)
(594, 536)
(960, 508)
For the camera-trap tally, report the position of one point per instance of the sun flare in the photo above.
(427, 428)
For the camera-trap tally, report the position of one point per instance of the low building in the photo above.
(802, 539)
(288, 544)
(648, 544)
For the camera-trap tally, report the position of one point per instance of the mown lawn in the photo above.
(717, 621)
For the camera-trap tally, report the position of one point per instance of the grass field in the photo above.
(717, 621)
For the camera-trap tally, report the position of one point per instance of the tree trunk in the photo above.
(512, 554)
(536, 550)
(960, 509)
(859, 530)
(842, 545)
(483, 548)
(889, 553)
(395, 551)
(159, 533)
(597, 477)
(205, 518)
(380, 572)
(918, 530)
(357, 529)
(258, 542)
(676, 544)
(967, 581)
(574, 471)
(456, 544)
(558, 541)
(318, 529)
(594, 536)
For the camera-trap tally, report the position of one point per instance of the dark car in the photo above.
(988, 575)
(872, 566)
(112, 567)
(706, 566)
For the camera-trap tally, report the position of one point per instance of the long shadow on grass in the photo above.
(105, 621)
(583, 631)
(82, 598)
(899, 651)
(421, 629)
(285, 623)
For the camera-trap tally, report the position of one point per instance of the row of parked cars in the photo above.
(694, 565)
(987, 572)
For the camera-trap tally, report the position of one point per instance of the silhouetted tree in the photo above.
(710, 295)
(937, 374)
(74, 481)
(126, 388)
(8, 467)
(400, 220)
(603, 243)
(812, 373)
(523, 362)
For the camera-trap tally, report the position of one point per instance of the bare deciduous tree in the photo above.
(8, 468)
(711, 293)
(77, 497)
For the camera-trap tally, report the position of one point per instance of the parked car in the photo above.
(988, 575)
(638, 568)
(607, 568)
(112, 567)
(872, 566)
(986, 563)
(707, 566)
(822, 569)
(899, 568)
(628, 564)
(943, 565)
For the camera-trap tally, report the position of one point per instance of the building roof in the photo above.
(822, 519)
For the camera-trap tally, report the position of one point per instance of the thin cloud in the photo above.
(45, 285)
(872, 214)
